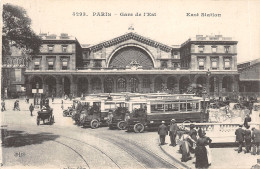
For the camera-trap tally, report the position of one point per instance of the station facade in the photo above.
(133, 63)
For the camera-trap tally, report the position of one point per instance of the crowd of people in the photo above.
(251, 139)
(190, 142)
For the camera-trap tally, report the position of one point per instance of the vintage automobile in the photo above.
(68, 112)
(93, 117)
(117, 118)
(45, 114)
(137, 120)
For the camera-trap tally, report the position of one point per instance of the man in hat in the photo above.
(240, 137)
(247, 139)
(173, 132)
(162, 131)
(256, 141)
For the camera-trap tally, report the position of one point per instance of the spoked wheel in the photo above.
(139, 128)
(38, 121)
(121, 125)
(94, 124)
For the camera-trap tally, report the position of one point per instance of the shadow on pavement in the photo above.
(20, 138)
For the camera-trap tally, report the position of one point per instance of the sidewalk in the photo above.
(225, 158)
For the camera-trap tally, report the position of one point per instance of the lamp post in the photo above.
(37, 91)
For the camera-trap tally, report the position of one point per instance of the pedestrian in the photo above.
(193, 135)
(17, 105)
(173, 132)
(52, 98)
(31, 108)
(248, 139)
(3, 105)
(203, 156)
(185, 146)
(162, 131)
(247, 119)
(62, 106)
(256, 141)
(240, 137)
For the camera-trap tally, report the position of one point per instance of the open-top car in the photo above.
(118, 118)
(45, 114)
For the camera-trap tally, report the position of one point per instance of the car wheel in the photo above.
(94, 124)
(121, 125)
(139, 128)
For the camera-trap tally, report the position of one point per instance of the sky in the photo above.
(171, 25)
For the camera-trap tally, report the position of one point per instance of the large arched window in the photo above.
(121, 85)
(130, 54)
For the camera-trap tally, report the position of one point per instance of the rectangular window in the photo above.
(201, 49)
(201, 64)
(50, 65)
(64, 48)
(227, 64)
(226, 48)
(214, 64)
(214, 49)
(50, 48)
(64, 65)
(36, 65)
(18, 75)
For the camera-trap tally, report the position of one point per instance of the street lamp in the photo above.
(204, 94)
(37, 91)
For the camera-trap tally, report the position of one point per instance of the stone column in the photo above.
(152, 85)
(43, 64)
(114, 84)
(57, 63)
(89, 87)
(220, 86)
(102, 84)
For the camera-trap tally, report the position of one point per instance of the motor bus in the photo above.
(151, 111)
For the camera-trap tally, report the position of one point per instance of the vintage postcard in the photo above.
(130, 84)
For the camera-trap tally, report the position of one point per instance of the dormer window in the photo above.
(226, 48)
(64, 48)
(50, 48)
(201, 49)
(214, 49)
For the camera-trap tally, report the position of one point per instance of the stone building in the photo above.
(133, 63)
(13, 67)
(249, 79)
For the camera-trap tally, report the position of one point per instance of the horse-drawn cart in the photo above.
(45, 114)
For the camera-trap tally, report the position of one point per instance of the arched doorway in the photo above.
(66, 85)
(172, 83)
(121, 84)
(227, 84)
(82, 86)
(158, 84)
(35, 80)
(184, 84)
(50, 86)
(134, 82)
(201, 81)
(96, 85)
(108, 85)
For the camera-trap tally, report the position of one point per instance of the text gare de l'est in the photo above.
(124, 14)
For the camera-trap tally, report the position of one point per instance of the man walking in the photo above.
(173, 132)
(162, 131)
(240, 137)
(247, 139)
(3, 105)
(31, 108)
(256, 141)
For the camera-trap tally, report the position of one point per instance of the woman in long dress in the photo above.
(186, 146)
(202, 151)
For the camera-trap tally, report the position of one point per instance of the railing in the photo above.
(122, 68)
(220, 132)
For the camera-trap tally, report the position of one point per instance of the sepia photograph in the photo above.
(130, 84)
